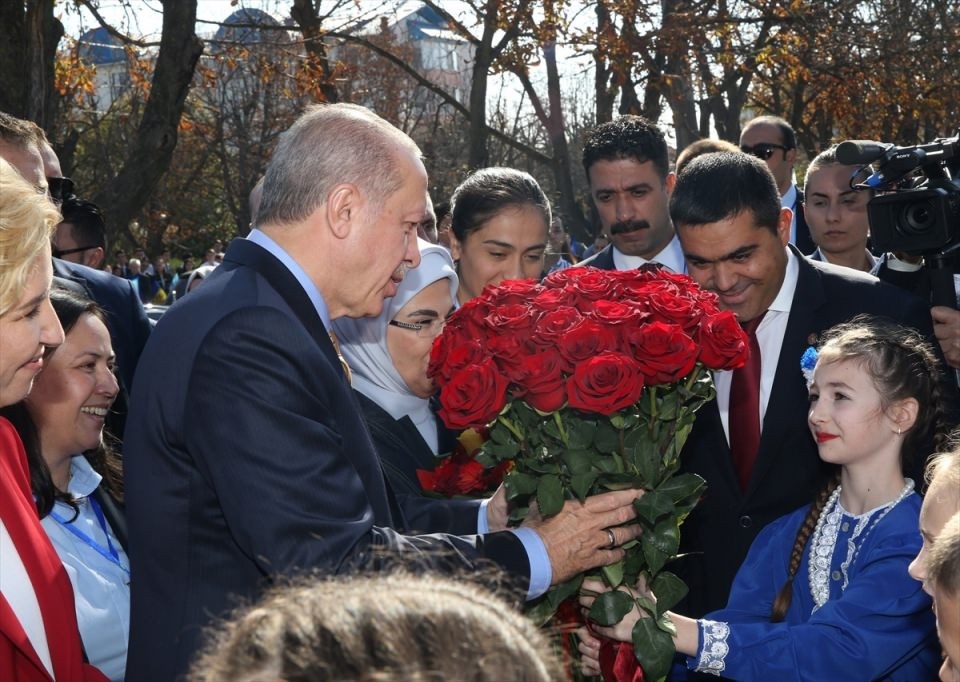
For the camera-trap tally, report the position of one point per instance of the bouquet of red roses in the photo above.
(589, 382)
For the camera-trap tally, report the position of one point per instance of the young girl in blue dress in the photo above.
(824, 592)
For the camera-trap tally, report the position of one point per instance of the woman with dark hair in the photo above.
(75, 477)
(499, 222)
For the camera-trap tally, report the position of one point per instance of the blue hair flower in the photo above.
(807, 363)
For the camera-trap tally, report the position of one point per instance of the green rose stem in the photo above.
(512, 428)
(563, 431)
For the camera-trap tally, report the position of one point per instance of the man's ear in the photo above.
(783, 225)
(791, 155)
(669, 182)
(343, 208)
(94, 257)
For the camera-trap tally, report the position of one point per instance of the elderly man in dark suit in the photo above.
(752, 443)
(252, 457)
(630, 181)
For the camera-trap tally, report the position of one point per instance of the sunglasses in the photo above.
(57, 253)
(60, 188)
(764, 150)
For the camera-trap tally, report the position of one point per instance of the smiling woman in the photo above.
(76, 478)
(499, 227)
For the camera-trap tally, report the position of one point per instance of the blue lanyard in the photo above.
(110, 553)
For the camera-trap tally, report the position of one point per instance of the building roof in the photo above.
(241, 27)
(97, 46)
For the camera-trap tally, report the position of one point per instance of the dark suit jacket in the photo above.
(603, 259)
(788, 471)
(126, 320)
(252, 461)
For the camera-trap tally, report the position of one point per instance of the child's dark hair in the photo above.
(902, 365)
(487, 192)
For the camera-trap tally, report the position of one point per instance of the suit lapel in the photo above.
(788, 393)
(246, 252)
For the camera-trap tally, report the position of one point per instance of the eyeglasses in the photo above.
(57, 253)
(763, 150)
(60, 188)
(425, 330)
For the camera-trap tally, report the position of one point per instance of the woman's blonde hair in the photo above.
(27, 220)
(381, 628)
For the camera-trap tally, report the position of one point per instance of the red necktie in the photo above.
(745, 409)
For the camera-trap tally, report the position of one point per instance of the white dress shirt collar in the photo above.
(671, 257)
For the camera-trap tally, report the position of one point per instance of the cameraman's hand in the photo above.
(576, 538)
(946, 327)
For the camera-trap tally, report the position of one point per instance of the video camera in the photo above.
(917, 206)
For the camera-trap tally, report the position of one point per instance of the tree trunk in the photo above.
(29, 35)
(311, 27)
(152, 148)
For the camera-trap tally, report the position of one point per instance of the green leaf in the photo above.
(609, 608)
(549, 495)
(653, 506)
(606, 439)
(683, 489)
(565, 590)
(578, 461)
(580, 433)
(500, 433)
(642, 452)
(541, 466)
(580, 484)
(503, 451)
(616, 420)
(654, 557)
(614, 573)
(519, 484)
(669, 590)
(653, 648)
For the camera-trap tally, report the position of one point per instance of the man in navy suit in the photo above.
(735, 237)
(252, 459)
(630, 181)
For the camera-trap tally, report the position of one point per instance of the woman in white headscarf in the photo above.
(388, 356)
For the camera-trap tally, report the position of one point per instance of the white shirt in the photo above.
(789, 200)
(770, 337)
(671, 257)
(101, 588)
(16, 588)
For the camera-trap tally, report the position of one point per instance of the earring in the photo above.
(899, 430)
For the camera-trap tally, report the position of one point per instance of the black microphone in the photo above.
(860, 152)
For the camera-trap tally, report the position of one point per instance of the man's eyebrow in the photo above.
(737, 253)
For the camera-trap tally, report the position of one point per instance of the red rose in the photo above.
(540, 381)
(615, 313)
(511, 318)
(664, 351)
(450, 355)
(560, 278)
(555, 324)
(675, 306)
(550, 299)
(605, 383)
(468, 318)
(593, 284)
(723, 343)
(512, 291)
(585, 341)
(508, 350)
(474, 396)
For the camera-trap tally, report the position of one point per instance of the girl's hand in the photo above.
(589, 648)
(622, 631)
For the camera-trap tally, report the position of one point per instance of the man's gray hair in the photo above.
(329, 145)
